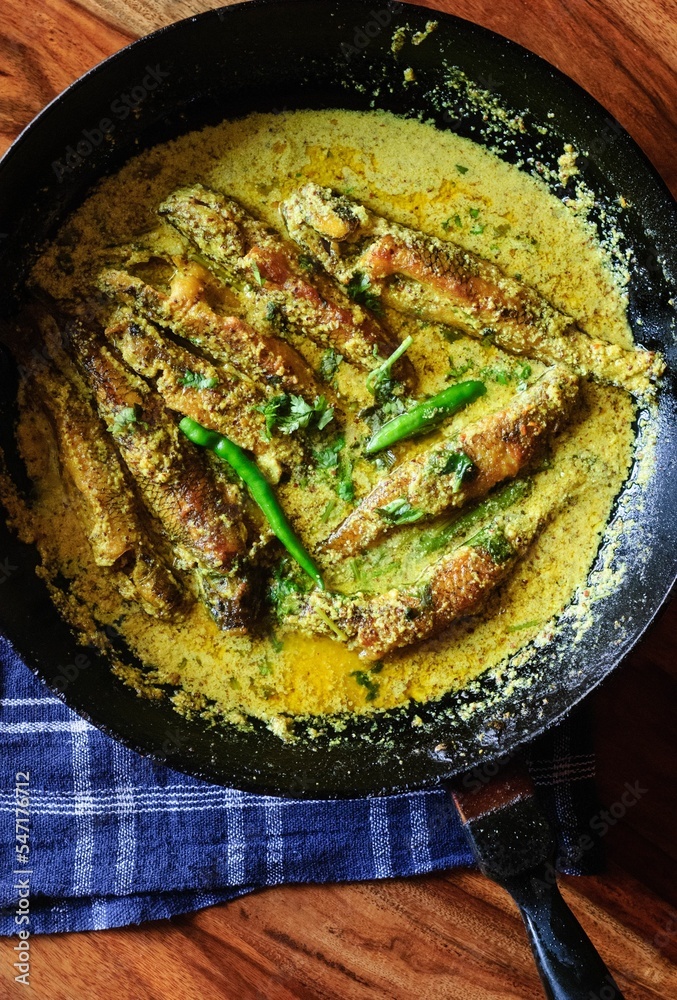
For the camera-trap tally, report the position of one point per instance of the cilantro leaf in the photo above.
(459, 371)
(329, 363)
(271, 410)
(455, 219)
(345, 487)
(461, 169)
(493, 541)
(194, 380)
(126, 418)
(360, 290)
(290, 413)
(256, 272)
(400, 512)
(519, 373)
(365, 681)
(328, 457)
(458, 464)
(285, 592)
(380, 381)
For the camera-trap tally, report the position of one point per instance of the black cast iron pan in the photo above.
(323, 53)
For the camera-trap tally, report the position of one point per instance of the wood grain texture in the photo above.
(453, 935)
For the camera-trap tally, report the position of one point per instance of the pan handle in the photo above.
(567, 961)
(515, 847)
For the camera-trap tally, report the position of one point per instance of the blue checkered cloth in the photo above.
(114, 839)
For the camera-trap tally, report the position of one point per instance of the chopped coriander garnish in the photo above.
(306, 263)
(475, 212)
(272, 312)
(126, 418)
(256, 273)
(328, 457)
(504, 376)
(492, 539)
(285, 591)
(461, 169)
(360, 290)
(456, 373)
(329, 363)
(194, 380)
(291, 413)
(345, 487)
(365, 681)
(426, 596)
(400, 511)
(458, 464)
(500, 375)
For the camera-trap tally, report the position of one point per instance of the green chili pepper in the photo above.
(426, 415)
(259, 488)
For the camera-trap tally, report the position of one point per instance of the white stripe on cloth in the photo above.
(99, 915)
(72, 726)
(236, 846)
(420, 843)
(274, 843)
(12, 702)
(380, 837)
(84, 842)
(124, 807)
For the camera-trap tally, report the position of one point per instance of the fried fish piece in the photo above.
(499, 446)
(203, 519)
(219, 398)
(456, 586)
(227, 338)
(275, 279)
(439, 281)
(116, 526)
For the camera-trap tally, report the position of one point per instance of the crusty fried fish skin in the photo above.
(203, 520)
(499, 446)
(117, 529)
(227, 338)
(276, 281)
(456, 586)
(440, 281)
(217, 397)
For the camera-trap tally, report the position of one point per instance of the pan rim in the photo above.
(633, 149)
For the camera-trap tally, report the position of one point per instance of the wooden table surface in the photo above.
(451, 935)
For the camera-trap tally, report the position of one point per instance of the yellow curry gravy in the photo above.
(429, 180)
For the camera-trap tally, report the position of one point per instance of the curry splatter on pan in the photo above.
(316, 54)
